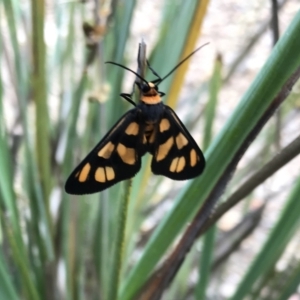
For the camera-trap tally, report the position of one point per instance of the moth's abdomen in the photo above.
(149, 132)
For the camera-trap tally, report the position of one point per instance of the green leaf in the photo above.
(7, 290)
(282, 232)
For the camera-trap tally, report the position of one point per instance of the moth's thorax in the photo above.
(149, 112)
(150, 115)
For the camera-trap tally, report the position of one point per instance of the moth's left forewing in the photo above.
(176, 154)
(115, 158)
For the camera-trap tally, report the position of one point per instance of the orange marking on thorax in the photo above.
(151, 99)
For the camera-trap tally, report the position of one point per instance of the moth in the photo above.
(151, 126)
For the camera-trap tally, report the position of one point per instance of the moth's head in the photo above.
(148, 88)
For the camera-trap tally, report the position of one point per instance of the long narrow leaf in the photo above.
(7, 290)
(282, 232)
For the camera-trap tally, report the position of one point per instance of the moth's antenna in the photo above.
(179, 64)
(136, 74)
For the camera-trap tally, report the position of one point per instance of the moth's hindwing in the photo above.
(175, 154)
(117, 157)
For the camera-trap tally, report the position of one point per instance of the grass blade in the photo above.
(286, 226)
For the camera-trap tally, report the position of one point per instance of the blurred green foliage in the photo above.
(107, 245)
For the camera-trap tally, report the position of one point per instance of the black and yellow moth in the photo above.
(151, 126)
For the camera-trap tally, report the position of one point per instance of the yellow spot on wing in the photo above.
(100, 175)
(164, 149)
(181, 140)
(193, 158)
(173, 164)
(110, 173)
(84, 172)
(180, 164)
(164, 125)
(132, 128)
(126, 154)
(177, 164)
(106, 151)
